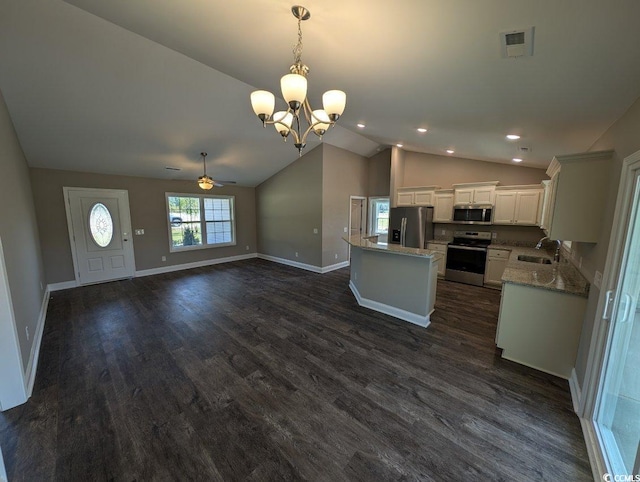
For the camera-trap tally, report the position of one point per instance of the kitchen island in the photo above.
(395, 280)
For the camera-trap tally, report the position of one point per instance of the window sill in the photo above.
(180, 249)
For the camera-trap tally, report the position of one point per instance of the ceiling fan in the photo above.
(206, 182)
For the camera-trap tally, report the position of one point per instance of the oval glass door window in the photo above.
(101, 225)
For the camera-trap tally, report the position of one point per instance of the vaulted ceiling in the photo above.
(131, 87)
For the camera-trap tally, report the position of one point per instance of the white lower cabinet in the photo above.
(540, 328)
(496, 263)
(441, 248)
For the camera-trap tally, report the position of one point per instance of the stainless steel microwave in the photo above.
(472, 213)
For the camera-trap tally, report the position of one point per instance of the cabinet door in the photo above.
(527, 207)
(494, 270)
(483, 195)
(442, 249)
(443, 211)
(505, 207)
(549, 201)
(405, 199)
(464, 196)
(424, 198)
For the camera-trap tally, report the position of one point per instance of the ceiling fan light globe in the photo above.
(263, 103)
(205, 182)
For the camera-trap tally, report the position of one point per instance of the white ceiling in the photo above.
(130, 87)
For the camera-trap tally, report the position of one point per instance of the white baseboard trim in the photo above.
(196, 264)
(63, 285)
(576, 392)
(32, 367)
(596, 459)
(419, 320)
(288, 262)
(334, 267)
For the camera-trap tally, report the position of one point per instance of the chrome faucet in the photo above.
(556, 256)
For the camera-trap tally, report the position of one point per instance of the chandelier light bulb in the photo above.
(282, 122)
(263, 103)
(334, 102)
(294, 90)
(321, 122)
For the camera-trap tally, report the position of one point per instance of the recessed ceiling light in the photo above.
(399, 145)
(421, 130)
(513, 137)
(517, 159)
(450, 151)
(361, 125)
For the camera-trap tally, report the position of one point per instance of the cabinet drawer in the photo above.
(498, 253)
(441, 248)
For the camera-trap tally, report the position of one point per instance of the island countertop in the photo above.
(364, 243)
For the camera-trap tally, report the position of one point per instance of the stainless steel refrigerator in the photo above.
(411, 226)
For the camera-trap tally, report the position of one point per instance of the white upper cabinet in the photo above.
(474, 193)
(517, 205)
(576, 195)
(443, 207)
(416, 196)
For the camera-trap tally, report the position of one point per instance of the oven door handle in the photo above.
(467, 248)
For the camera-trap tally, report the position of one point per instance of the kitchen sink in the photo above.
(534, 259)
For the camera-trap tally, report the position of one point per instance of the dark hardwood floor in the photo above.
(257, 371)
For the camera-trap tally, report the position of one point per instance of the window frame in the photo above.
(203, 222)
(372, 214)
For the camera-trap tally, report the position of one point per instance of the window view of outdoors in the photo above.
(217, 214)
(184, 214)
(381, 225)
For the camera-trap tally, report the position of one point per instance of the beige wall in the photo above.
(379, 167)
(148, 212)
(289, 208)
(344, 174)
(622, 137)
(444, 171)
(19, 234)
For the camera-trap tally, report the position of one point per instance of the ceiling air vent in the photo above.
(524, 149)
(517, 43)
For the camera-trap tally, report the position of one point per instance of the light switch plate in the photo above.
(139, 232)
(597, 279)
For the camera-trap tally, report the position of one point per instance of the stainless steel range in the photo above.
(467, 257)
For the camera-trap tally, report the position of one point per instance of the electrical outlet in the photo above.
(336, 255)
(494, 235)
(26, 329)
(355, 276)
(164, 258)
(296, 254)
(345, 229)
(41, 286)
(443, 232)
(247, 247)
(580, 262)
(139, 232)
(315, 230)
(597, 279)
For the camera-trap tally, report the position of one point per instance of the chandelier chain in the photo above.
(297, 50)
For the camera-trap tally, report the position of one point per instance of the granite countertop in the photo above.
(563, 276)
(364, 243)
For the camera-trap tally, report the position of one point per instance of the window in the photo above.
(379, 220)
(199, 221)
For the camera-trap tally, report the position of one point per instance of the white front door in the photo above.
(100, 232)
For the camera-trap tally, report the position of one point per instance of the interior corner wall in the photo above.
(147, 204)
(622, 137)
(20, 239)
(379, 174)
(422, 169)
(289, 208)
(344, 174)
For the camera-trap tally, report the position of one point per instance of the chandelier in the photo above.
(205, 182)
(294, 91)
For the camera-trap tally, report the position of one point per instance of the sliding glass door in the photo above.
(617, 414)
